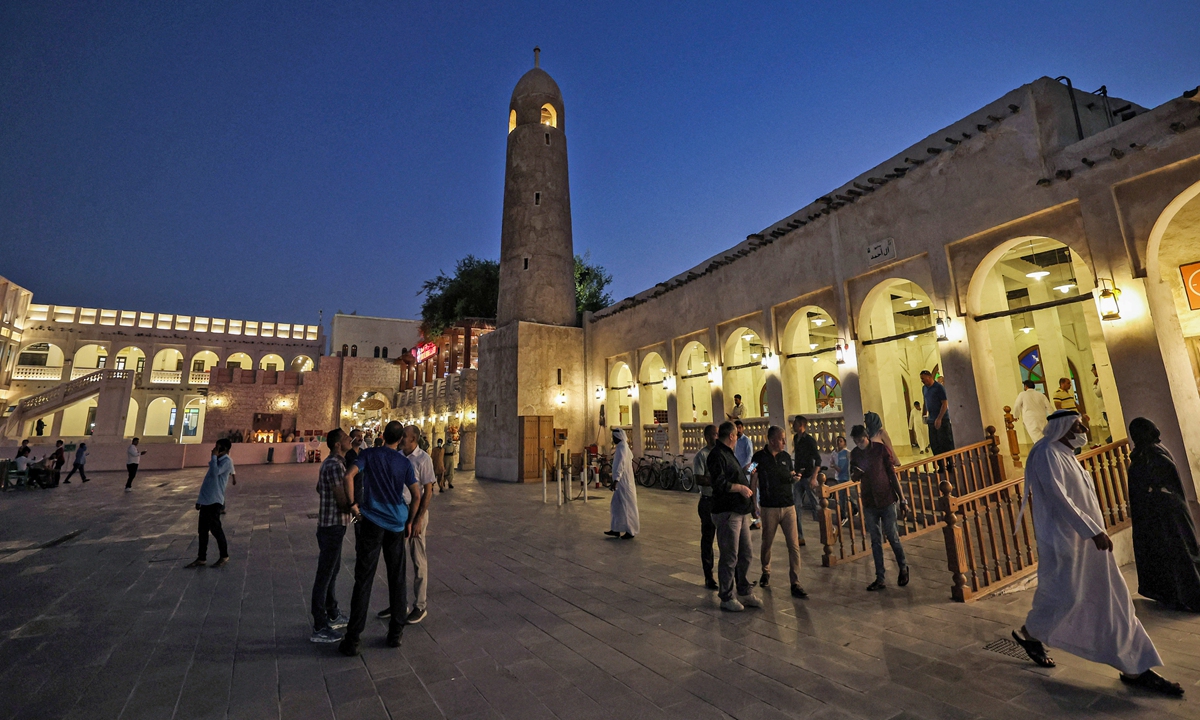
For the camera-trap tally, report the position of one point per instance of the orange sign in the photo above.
(1191, 283)
(424, 352)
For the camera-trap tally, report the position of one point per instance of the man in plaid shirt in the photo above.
(331, 529)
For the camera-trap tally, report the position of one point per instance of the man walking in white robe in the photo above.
(1082, 604)
(916, 423)
(624, 507)
(1032, 407)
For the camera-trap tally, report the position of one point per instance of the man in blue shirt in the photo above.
(384, 487)
(937, 414)
(211, 502)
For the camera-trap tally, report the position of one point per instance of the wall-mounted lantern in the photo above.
(1110, 307)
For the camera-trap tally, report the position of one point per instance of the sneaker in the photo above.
(66, 482)
(128, 489)
(339, 622)
(877, 585)
(750, 600)
(393, 641)
(87, 479)
(221, 561)
(711, 584)
(801, 542)
(765, 580)
(384, 613)
(903, 579)
(416, 616)
(732, 605)
(798, 592)
(627, 536)
(325, 636)
(349, 646)
(195, 564)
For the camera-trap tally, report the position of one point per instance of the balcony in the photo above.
(166, 377)
(37, 372)
(198, 378)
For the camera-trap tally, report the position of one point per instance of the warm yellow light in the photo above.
(818, 321)
(912, 337)
(1064, 288)
(1037, 274)
(747, 337)
(912, 303)
(562, 397)
(1110, 308)
(812, 346)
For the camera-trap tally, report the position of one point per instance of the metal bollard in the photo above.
(558, 479)
(542, 456)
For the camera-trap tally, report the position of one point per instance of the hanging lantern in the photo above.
(840, 351)
(1110, 308)
(942, 325)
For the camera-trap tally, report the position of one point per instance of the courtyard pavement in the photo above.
(533, 614)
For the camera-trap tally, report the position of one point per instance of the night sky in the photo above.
(269, 160)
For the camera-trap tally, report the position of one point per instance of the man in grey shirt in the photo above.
(708, 530)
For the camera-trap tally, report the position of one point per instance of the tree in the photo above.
(472, 292)
(591, 285)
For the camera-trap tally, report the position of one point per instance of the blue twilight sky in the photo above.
(266, 160)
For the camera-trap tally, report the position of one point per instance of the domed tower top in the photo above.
(536, 100)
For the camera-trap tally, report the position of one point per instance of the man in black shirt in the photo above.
(807, 459)
(731, 505)
(773, 469)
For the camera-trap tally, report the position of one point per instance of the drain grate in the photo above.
(1007, 647)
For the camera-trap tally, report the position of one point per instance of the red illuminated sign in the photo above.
(424, 352)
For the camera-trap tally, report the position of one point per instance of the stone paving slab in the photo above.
(533, 614)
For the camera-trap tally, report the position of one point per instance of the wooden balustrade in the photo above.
(1014, 446)
(987, 545)
(965, 470)
(1109, 468)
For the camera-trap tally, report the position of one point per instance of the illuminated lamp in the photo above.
(1110, 308)
(942, 325)
(819, 321)
(840, 351)
(562, 397)
(812, 346)
(599, 392)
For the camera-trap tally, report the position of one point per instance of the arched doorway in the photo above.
(168, 360)
(204, 361)
(897, 340)
(160, 417)
(130, 358)
(743, 372)
(271, 361)
(239, 360)
(692, 379)
(1173, 294)
(131, 419)
(620, 396)
(303, 363)
(653, 393)
(810, 370)
(1033, 317)
(88, 359)
(192, 428)
(79, 419)
(39, 361)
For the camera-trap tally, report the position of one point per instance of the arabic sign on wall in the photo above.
(882, 251)
(424, 352)
(1191, 283)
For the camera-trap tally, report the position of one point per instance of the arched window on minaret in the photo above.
(549, 116)
(512, 120)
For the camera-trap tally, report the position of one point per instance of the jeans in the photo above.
(708, 533)
(324, 592)
(733, 539)
(76, 469)
(210, 521)
(369, 540)
(783, 518)
(132, 468)
(420, 563)
(887, 517)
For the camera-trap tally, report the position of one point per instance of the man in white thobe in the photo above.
(1082, 604)
(624, 510)
(916, 423)
(1032, 407)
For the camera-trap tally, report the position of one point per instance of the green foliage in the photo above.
(591, 285)
(474, 289)
(471, 293)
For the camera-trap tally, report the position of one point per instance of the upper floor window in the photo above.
(353, 351)
(376, 351)
(385, 351)
(549, 115)
(345, 350)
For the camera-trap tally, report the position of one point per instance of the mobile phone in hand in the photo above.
(752, 467)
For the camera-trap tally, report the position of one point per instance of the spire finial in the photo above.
(537, 51)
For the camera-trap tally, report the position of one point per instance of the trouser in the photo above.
(369, 540)
(783, 518)
(132, 468)
(450, 471)
(329, 562)
(210, 522)
(57, 472)
(441, 480)
(416, 554)
(77, 468)
(708, 532)
(941, 440)
(733, 540)
(804, 498)
(887, 518)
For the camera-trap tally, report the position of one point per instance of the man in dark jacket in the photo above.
(773, 469)
(871, 465)
(807, 459)
(732, 503)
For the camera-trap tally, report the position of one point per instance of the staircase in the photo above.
(63, 395)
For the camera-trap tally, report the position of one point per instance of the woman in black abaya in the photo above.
(1164, 536)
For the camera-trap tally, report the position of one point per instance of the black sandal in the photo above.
(1035, 650)
(1154, 682)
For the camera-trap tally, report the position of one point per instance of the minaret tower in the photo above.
(537, 260)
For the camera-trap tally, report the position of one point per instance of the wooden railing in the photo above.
(987, 549)
(1010, 430)
(965, 470)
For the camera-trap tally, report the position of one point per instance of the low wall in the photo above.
(161, 456)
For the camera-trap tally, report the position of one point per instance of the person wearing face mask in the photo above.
(1082, 603)
(624, 510)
